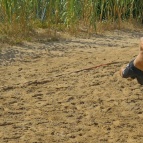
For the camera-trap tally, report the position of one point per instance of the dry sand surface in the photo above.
(43, 99)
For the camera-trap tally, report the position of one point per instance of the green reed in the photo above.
(22, 15)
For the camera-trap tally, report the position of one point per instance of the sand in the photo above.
(43, 99)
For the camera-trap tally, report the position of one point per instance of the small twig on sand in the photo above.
(91, 68)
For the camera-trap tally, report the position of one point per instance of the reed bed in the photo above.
(20, 16)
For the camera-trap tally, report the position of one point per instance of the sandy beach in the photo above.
(47, 96)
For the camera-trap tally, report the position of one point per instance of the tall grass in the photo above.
(20, 16)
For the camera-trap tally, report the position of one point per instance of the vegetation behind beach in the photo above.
(19, 18)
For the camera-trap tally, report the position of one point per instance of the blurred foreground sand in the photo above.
(92, 106)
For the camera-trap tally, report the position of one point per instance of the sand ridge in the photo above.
(43, 99)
